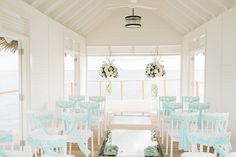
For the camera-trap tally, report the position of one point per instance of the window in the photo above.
(9, 91)
(69, 75)
(132, 82)
(199, 75)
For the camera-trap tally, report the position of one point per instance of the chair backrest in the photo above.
(169, 108)
(6, 141)
(97, 98)
(51, 145)
(40, 121)
(186, 100)
(198, 107)
(166, 99)
(101, 100)
(190, 99)
(77, 98)
(221, 141)
(185, 123)
(71, 122)
(214, 122)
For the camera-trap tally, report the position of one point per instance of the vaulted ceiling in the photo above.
(83, 16)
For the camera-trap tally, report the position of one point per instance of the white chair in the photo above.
(55, 146)
(76, 130)
(99, 116)
(163, 100)
(181, 125)
(167, 110)
(40, 123)
(221, 143)
(8, 148)
(186, 100)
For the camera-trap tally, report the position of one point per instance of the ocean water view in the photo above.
(9, 102)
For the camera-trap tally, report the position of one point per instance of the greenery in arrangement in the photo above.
(108, 70)
(155, 69)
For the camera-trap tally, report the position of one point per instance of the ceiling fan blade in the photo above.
(145, 7)
(132, 6)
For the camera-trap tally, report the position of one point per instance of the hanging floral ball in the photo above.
(155, 69)
(108, 70)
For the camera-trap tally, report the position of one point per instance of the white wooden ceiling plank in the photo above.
(93, 24)
(183, 14)
(53, 6)
(72, 16)
(202, 7)
(66, 9)
(175, 24)
(36, 3)
(196, 13)
(165, 9)
(86, 16)
(98, 14)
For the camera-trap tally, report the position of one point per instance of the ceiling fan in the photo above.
(132, 4)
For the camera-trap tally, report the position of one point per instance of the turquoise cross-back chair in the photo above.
(7, 138)
(77, 131)
(162, 100)
(186, 100)
(220, 142)
(101, 117)
(50, 146)
(182, 124)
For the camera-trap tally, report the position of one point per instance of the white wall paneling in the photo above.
(220, 65)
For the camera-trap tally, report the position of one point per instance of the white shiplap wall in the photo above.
(46, 51)
(221, 65)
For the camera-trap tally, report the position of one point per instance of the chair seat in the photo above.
(85, 135)
(197, 154)
(50, 131)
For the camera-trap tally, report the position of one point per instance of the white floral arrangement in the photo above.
(155, 69)
(108, 70)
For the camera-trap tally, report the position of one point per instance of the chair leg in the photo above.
(171, 147)
(162, 132)
(92, 146)
(70, 148)
(167, 143)
(99, 133)
(101, 128)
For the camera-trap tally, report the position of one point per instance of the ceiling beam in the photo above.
(53, 6)
(183, 14)
(196, 13)
(70, 17)
(199, 5)
(66, 9)
(91, 11)
(36, 3)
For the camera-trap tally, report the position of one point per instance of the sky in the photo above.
(8, 61)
